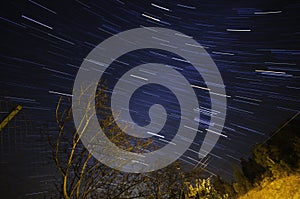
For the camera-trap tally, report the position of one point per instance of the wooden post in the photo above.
(10, 116)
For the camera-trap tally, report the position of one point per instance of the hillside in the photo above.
(288, 187)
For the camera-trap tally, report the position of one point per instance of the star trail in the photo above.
(255, 46)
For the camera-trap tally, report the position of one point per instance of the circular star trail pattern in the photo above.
(254, 44)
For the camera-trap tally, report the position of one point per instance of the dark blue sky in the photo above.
(255, 45)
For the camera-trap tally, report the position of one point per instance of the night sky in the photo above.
(255, 45)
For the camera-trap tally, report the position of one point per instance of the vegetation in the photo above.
(273, 168)
(286, 187)
(203, 188)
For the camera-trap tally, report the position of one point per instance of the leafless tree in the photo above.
(81, 175)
